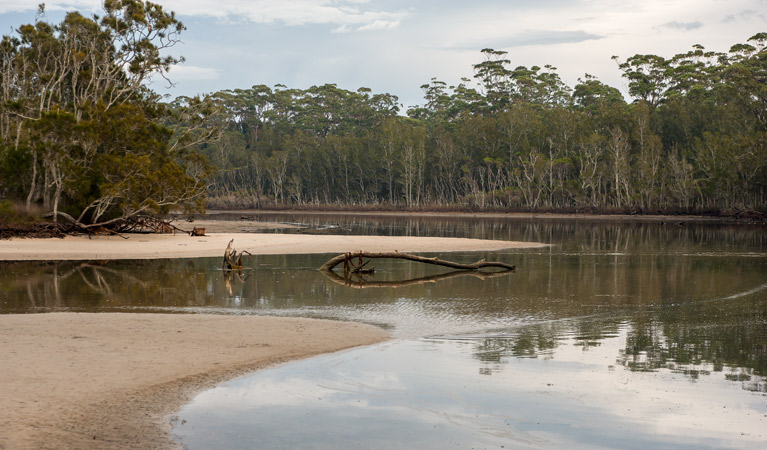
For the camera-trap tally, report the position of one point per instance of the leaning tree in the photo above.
(85, 136)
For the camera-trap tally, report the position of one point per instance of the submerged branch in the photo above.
(347, 257)
(358, 282)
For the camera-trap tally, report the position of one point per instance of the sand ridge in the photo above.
(151, 246)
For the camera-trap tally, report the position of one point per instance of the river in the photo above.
(618, 335)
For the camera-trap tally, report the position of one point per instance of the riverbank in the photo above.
(110, 381)
(651, 218)
(152, 246)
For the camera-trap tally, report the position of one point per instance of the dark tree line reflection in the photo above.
(598, 234)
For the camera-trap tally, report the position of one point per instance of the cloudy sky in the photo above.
(395, 46)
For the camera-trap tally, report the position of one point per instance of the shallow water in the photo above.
(620, 335)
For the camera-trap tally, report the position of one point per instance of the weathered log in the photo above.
(347, 257)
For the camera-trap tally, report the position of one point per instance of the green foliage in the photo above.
(513, 137)
(81, 130)
(693, 136)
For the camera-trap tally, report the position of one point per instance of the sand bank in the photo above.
(110, 381)
(149, 246)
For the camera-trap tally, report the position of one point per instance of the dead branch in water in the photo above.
(349, 266)
(358, 281)
(233, 260)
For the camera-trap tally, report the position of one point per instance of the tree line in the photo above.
(693, 138)
(82, 137)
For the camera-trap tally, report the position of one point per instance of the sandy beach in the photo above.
(150, 246)
(112, 381)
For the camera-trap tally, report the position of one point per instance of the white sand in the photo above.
(149, 246)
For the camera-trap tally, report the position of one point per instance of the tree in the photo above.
(74, 99)
(648, 77)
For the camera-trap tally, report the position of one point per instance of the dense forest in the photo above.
(694, 138)
(83, 138)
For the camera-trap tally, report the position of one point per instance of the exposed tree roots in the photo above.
(137, 224)
(36, 230)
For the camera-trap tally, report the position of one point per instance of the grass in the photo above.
(14, 214)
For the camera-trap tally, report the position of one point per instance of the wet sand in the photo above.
(111, 381)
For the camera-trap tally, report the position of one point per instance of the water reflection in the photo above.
(695, 309)
(428, 395)
(619, 333)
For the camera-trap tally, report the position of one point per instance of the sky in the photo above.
(395, 46)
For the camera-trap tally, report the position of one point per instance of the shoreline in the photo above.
(156, 246)
(114, 380)
(647, 218)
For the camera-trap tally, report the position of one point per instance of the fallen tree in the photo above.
(350, 267)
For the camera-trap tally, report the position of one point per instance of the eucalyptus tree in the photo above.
(747, 73)
(647, 179)
(494, 77)
(594, 97)
(74, 98)
(648, 77)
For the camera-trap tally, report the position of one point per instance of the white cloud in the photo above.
(55, 5)
(193, 73)
(682, 26)
(376, 25)
(379, 25)
(350, 15)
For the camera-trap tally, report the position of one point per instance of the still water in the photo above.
(616, 336)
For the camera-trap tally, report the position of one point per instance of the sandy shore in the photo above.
(110, 381)
(149, 246)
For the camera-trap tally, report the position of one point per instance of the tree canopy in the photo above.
(79, 131)
(81, 134)
(692, 138)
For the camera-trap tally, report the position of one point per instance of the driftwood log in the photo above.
(348, 260)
